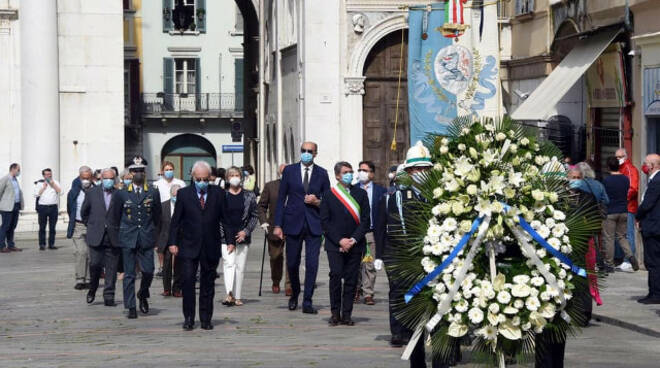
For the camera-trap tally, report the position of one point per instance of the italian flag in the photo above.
(454, 11)
(348, 201)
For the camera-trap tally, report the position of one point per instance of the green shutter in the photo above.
(198, 76)
(168, 75)
(200, 17)
(238, 83)
(168, 24)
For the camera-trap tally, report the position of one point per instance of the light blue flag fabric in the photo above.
(433, 73)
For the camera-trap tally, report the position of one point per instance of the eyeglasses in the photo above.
(363, 170)
(202, 180)
(302, 150)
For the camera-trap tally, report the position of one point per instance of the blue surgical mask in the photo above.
(173, 199)
(347, 178)
(168, 174)
(201, 185)
(108, 183)
(127, 182)
(306, 157)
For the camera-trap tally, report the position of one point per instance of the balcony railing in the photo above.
(190, 103)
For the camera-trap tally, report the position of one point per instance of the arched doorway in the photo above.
(184, 150)
(379, 105)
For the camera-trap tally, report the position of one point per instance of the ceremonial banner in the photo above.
(452, 64)
(606, 81)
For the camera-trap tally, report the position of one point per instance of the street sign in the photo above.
(232, 148)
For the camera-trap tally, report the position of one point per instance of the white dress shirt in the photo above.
(164, 187)
(49, 196)
(309, 172)
(369, 188)
(79, 203)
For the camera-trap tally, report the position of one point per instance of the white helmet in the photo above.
(418, 156)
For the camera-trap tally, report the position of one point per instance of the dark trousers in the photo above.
(276, 254)
(171, 278)
(418, 356)
(293, 256)
(47, 214)
(396, 294)
(104, 256)
(652, 263)
(206, 286)
(145, 258)
(549, 354)
(344, 266)
(9, 222)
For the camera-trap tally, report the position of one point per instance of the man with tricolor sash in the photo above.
(345, 219)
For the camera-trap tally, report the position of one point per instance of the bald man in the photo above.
(648, 216)
(266, 208)
(630, 171)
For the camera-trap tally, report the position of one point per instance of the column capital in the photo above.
(354, 85)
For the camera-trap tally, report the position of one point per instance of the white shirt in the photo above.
(49, 196)
(369, 188)
(309, 168)
(164, 187)
(79, 203)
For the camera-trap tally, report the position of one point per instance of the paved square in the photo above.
(44, 322)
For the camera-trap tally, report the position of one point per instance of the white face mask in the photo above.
(363, 177)
(86, 183)
(234, 181)
(622, 161)
(391, 176)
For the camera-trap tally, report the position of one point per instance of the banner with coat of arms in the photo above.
(452, 64)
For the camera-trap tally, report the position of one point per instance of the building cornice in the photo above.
(527, 61)
(11, 14)
(647, 38)
(184, 49)
(380, 5)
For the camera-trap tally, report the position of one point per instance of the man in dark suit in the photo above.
(367, 275)
(196, 236)
(266, 209)
(648, 217)
(298, 217)
(103, 245)
(345, 218)
(135, 216)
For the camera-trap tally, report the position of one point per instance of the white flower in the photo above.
(549, 222)
(492, 319)
(510, 310)
(537, 195)
(457, 208)
(509, 331)
(520, 290)
(521, 279)
(515, 178)
(500, 136)
(545, 296)
(438, 192)
(487, 332)
(489, 127)
(483, 206)
(532, 303)
(559, 216)
(473, 153)
(513, 148)
(440, 288)
(537, 319)
(541, 253)
(515, 320)
(558, 231)
(434, 230)
(540, 160)
(452, 185)
(476, 315)
(494, 308)
(524, 141)
(543, 231)
(537, 281)
(457, 329)
(547, 310)
(553, 197)
(489, 156)
(461, 306)
(444, 149)
(449, 224)
(518, 304)
(554, 242)
(472, 189)
(504, 297)
(462, 166)
(465, 131)
(444, 208)
(461, 147)
(444, 141)
(536, 224)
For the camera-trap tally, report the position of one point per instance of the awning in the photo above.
(541, 102)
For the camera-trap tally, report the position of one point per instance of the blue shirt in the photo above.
(17, 190)
(616, 187)
(199, 195)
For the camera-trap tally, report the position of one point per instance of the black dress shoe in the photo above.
(80, 286)
(310, 310)
(188, 324)
(397, 341)
(207, 326)
(347, 321)
(144, 305)
(293, 303)
(334, 319)
(91, 295)
(132, 313)
(109, 303)
(42, 248)
(649, 300)
(52, 247)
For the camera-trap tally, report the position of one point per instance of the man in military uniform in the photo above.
(135, 216)
(390, 232)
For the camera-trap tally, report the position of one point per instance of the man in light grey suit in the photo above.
(103, 244)
(11, 202)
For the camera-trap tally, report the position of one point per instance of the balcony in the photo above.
(191, 105)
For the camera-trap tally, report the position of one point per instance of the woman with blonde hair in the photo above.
(240, 219)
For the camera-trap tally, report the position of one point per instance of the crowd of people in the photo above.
(118, 220)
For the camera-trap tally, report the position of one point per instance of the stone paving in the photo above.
(44, 322)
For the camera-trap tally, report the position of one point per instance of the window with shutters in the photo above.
(184, 16)
(185, 77)
(524, 7)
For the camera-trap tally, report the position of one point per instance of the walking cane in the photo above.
(263, 259)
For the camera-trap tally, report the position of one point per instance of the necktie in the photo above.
(201, 198)
(306, 180)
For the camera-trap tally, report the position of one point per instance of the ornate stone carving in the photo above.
(358, 23)
(354, 85)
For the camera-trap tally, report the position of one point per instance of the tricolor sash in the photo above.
(348, 201)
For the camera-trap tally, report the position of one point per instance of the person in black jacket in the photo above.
(648, 216)
(345, 219)
(196, 235)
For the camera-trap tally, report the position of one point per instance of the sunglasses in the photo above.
(202, 180)
(302, 150)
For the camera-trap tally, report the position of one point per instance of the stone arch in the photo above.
(371, 38)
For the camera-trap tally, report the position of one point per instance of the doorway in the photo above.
(186, 149)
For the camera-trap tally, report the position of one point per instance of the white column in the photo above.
(40, 113)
